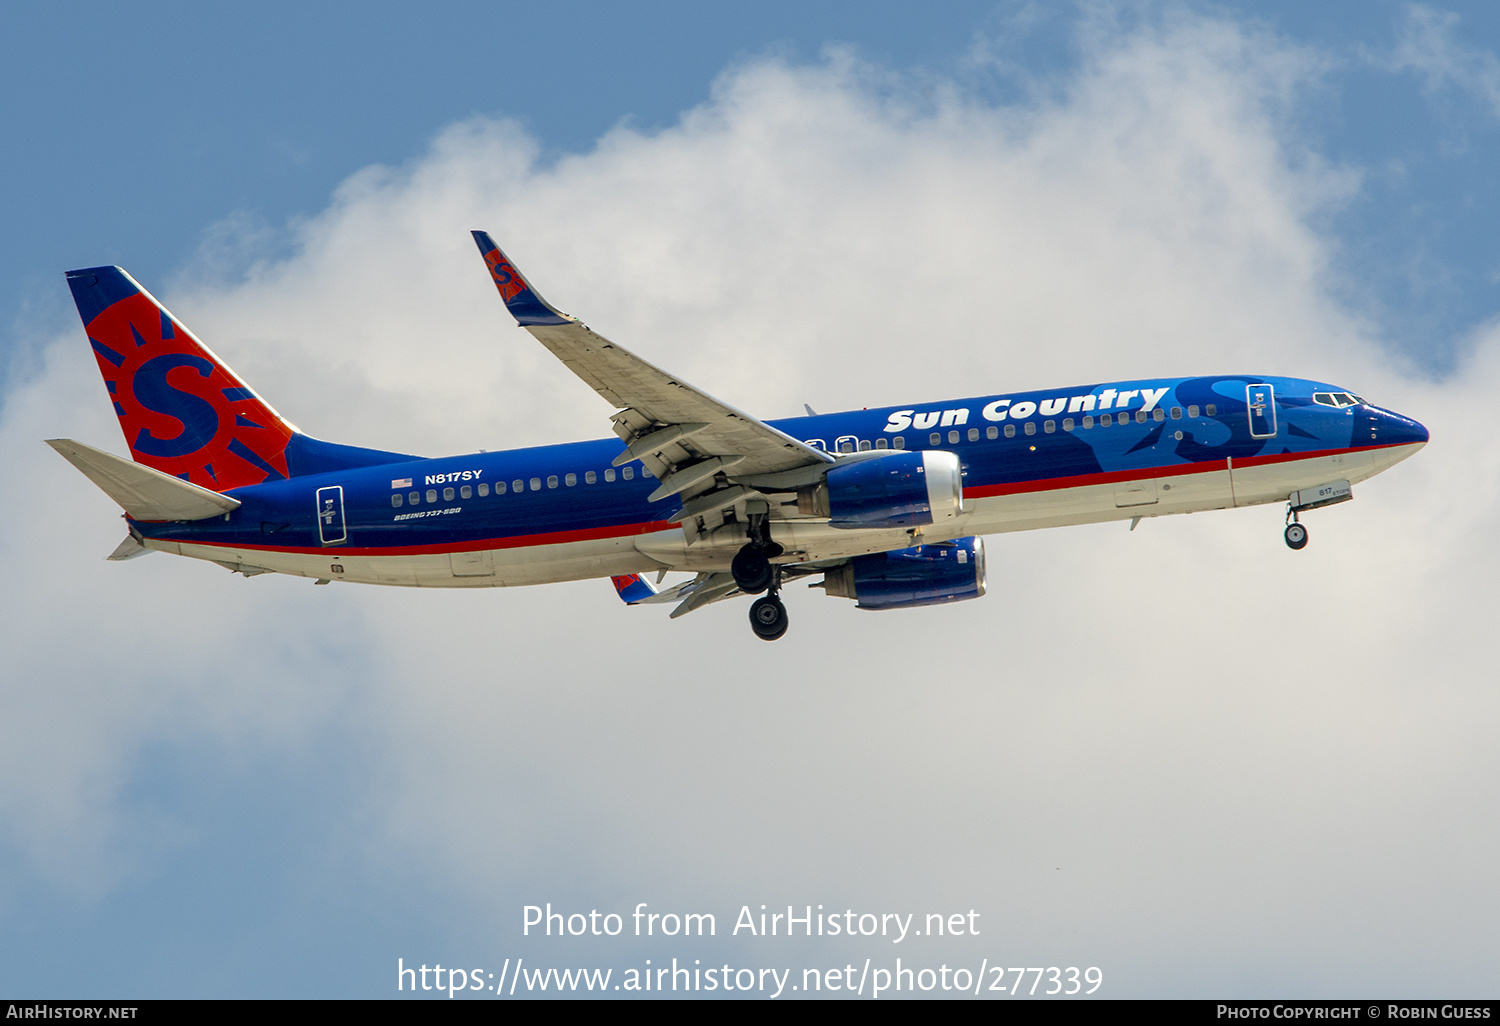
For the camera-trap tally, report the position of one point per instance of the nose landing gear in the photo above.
(1295, 534)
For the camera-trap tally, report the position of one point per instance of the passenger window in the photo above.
(551, 480)
(1192, 411)
(952, 437)
(484, 489)
(465, 492)
(432, 495)
(1088, 422)
(881, 443)
(536, 484)
(1211, 410)
(1158, 415)
(447, 494)
(396, 499)
(1030, 428)
(1050, 427)
(1140, 416)
(992, 432)
(864, 446)
(846, 444)
(570, 480)
(647, 471)
(1177, 413)
(414, 498)
(1010, 431)
(590, 478)
(899, 442)
(518, 485)
(935, 439)
(1106, 419)
(628, 473)
(973, 434)
(609, 475)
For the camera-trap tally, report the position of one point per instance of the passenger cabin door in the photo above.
(1260, 401)
(331, 530)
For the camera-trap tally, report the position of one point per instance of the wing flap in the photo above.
(142, 492)
(703, 590)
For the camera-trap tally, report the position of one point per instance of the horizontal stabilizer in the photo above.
(127, 549)
(144, 493)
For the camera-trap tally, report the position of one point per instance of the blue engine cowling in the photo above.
(927, 575)
(894, 489)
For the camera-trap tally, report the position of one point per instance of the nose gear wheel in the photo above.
(1295, 534)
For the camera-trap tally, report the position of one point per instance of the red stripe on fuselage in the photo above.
(1145, 473)
(513, 542)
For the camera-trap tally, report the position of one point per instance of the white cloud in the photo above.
(1184, 754)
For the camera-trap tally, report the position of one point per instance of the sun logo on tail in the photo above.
(183, 412)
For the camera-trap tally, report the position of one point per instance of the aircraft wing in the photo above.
(685, 436)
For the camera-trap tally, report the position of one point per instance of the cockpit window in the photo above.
(1337, 400)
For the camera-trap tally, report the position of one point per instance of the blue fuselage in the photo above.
(1008, 444)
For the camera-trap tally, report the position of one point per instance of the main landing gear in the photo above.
(752, 569)
(768, 617)
(754, 573)
(1296, 534)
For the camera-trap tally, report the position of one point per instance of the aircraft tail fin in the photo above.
(142, 492)
(183, 411)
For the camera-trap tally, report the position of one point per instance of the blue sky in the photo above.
(133, 132)
(221, 787)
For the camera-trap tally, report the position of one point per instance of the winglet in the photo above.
(633, 588)
(525, 305)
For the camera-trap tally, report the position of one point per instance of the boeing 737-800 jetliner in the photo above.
(886, 505)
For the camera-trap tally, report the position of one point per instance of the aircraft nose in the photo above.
(1394, 429)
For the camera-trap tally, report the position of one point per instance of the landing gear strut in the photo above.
(754, 573)
(752, 569)
(1296, 534)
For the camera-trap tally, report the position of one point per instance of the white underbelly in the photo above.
(809, 540)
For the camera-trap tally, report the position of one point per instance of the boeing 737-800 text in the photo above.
(886, 505)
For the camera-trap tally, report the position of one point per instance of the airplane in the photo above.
(887, 506)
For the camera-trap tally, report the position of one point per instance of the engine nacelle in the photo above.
(927, 575)
(899, 489)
